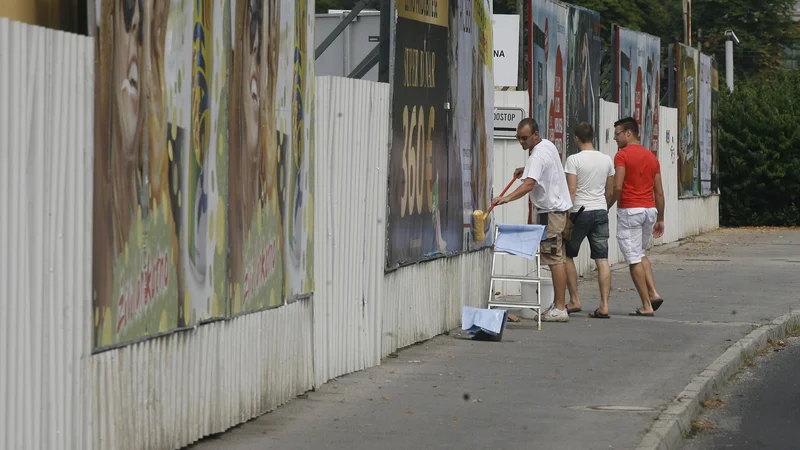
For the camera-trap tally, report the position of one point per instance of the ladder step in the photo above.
(513, 278)
(514, 305)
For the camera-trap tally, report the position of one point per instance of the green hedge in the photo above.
(759, 151)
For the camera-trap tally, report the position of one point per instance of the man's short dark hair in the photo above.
(530, 123)
(628, 124)
(584, 132)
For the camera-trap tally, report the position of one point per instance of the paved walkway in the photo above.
(536, 390)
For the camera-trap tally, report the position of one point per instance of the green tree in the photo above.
(764, 27)
(759, 151)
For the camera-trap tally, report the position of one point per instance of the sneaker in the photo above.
(555, 315)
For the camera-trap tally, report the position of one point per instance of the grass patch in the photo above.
(713, 403)
(702, 425)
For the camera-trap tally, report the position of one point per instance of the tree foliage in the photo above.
(764, 27)
(759, 151)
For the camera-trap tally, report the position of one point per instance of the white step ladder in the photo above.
(537, 305)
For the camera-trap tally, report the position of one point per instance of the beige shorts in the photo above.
(551, 250)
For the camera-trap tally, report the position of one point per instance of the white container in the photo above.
(529, 295)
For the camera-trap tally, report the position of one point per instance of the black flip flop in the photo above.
(656, 303)
(598, 315)
(574, 310)
(639, 313)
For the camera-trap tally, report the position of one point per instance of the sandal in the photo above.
(598, 315)
(639, 313)
(656, 303)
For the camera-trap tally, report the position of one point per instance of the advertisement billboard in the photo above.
(203, 157)
(637, 69)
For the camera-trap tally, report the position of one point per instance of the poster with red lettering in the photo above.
(548, 66)
(201, 164)
(637, 71)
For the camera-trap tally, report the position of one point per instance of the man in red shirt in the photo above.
(640, 213)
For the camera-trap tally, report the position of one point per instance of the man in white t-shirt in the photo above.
(543, 179)
(590, 177)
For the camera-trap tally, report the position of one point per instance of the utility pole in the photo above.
(730, 38)
(523, 22)
(687, 22)
(386, 21)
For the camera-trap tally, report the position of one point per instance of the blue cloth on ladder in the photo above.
(520, 240)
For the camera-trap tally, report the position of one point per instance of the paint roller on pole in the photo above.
(479, 217)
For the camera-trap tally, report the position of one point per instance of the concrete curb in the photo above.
(675, 421)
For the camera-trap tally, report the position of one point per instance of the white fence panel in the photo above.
(168, 392)
(425, 299)
(352, 138)
(45, 235)
(682, 217)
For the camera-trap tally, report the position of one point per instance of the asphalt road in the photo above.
(761, 406)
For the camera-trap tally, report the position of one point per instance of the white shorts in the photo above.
(635, 231)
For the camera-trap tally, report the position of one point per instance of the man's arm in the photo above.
(609, 190)
(572, 183)
(526, 186)
(619, 180)
(658, 191)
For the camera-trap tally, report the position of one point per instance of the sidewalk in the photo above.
(534, 390)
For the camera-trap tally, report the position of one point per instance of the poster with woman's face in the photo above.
(136, 275)
(271, 164)
(255, 207)
(203, 162)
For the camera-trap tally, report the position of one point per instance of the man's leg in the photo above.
(559, 273)
(651, 283)
(629, 238)
(604, 280)
(640, 281)
(581, 227)
(552, 253)
(647, 235)
(572, 284)
(598, 242)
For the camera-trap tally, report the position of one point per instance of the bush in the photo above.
(759, 151)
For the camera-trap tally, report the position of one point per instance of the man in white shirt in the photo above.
(590, 177)
(543, 179)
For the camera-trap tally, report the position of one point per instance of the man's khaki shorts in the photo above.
(551, 250)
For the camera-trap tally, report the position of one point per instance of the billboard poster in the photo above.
(505, 30)
(704, 124)
(583, 72)
(472, 98)
(425, 191)
(548, 68)
(688, 163)
(183, 110)
(270, 158)
(714, 128)
(637, 87)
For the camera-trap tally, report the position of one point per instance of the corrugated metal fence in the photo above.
(169, 392)
(45, 235)
(352, 135)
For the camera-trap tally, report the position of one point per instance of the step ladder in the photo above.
(494, 277)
